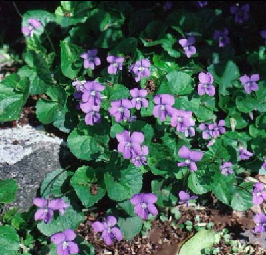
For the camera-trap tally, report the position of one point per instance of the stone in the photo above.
(27, 155)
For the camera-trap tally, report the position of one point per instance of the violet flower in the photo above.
(205, 86)
(249, 83)
(115, 64)
(130, 145)
(144, 204)
(241, 13)
(64, 242)
(141, 69)
(226, 168)
(259, 193)
(190, 131)
(120, 109)
(244, 154)
(90, 59)
(168, 5)
(47, 208)
(184, 197)
(217, 129)
(221, 37)
(190, 158)
(92, 115)
(263, 35)
(187, 45)
(260, 220)
(108, 230)
(264, 165)
(206, 132)
(182, 120)
(79, 85)
(140, 159)
(91, 95)
(163, 107)
(138, 98)
(201, 4)
(33, 25)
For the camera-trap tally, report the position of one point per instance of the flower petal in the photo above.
(58, 238)
(40, 202)
(69, 234)
(184, 152)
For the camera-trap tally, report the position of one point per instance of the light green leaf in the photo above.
(201, 240)
(130, 226)
(8, 189)
(9, 240)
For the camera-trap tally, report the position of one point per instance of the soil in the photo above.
(164, 237)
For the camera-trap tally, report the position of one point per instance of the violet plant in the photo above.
(153, 99)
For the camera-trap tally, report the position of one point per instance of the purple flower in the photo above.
(140, 159)
(92, 115)
(226, 168)
(264, 165)
(79, 85)
(217, 129)
(90, 59)
(259, 193)
(244, 154)
(260, 220)
(205, 86)
(184, 197)
(190, 131)
(163, 107)
(187, 45)
(130, 145)
(190, 158)
(168, 5)
(64, 242)
(182, 120)
(138, 98)
(47, 208)
(144, 204)
(91, 95)
(202, 3)
(120, 109)
(221, 37)
(141, 69)
(115, 64)
(33, 25)
(263, 35)
(108, 229)
(241, 13)
(249, 83)
(206, 134)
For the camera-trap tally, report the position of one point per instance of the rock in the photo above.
(27, 155)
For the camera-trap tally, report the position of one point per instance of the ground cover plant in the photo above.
(163, 103)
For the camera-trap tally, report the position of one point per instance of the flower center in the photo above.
(144, 205)
(65, 245)
(128, 144)
(188, 161)
(179, 119)
(141, 68)
(93, 93)
(121, 109)
(162, 107)
(138, 99)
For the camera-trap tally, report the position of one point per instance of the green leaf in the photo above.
(224, 75)
(116, 129)
(83, 181)
(70, 220)
(46, 110)
(88, 142)
(9, 240)
(42, 67)
(130, 226)
(246, 104)
(242, 197)
(124, 186)
(179, 83)
(53, 183)
(8, 189)
(201, 240)
(70, 53)
(118, 92)
(126, 47)
(127, 207)
(13, 95)
(199, 183)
